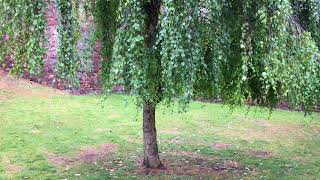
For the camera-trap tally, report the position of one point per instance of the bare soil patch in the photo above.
(188, 154)
(93, 154)
(11, 168)
(261, 154)
(59, 160)
(266, 131)
(221, 146)
(86, 155)
(185, 163)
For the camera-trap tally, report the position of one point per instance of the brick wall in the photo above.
(89, 79)
(52, 45)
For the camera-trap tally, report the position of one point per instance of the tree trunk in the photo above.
(151, 154)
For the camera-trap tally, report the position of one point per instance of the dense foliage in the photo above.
(68, 59)
(22, 25)
(265, 51)
(307, 13)
(234, 50)
(105, 16)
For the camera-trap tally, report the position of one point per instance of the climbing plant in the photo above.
(68, 59)
(22, 30)
(23, 25)
(86, 43)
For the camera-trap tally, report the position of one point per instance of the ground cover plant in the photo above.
(48, 134)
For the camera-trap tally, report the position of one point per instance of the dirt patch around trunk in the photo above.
(186, 163)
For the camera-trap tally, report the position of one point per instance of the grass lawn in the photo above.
(46, 134)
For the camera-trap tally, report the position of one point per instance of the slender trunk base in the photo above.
(151, 153)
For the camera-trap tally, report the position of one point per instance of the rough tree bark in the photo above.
(151, 153)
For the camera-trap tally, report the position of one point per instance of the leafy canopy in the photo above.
(234, 50)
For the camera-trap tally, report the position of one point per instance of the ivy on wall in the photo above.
(87, 42)
(69, 34)
(23, 38)
(23, 25)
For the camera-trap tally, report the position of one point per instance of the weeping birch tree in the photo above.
(168, 51)
(173, 51)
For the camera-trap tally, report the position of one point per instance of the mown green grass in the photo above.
(31, 127)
